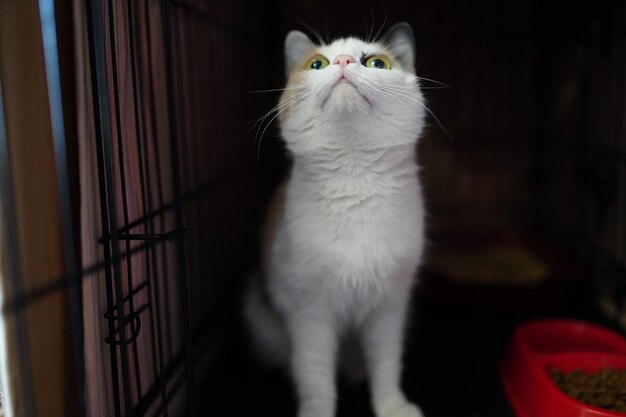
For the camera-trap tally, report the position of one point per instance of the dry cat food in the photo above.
(605, 388)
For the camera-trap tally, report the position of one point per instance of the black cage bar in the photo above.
(123, 315)
(173, 165)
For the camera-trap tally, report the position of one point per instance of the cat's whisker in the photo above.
(364, 20)
(267, 125)
(443, 85)
(370, 33)
(421, 87)
(403, 94)
(283, 106)
(327, 33)
(260, 120)
(277, 89)
(390, 94)
(278, 107)
(440, 84)
(308, 27)
(382, 26)
(434, 87)
(258, 150)
(275, 108)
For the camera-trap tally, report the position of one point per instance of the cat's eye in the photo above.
(378, 61)
(316, 63)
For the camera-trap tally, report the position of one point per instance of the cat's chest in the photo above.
(356, 226)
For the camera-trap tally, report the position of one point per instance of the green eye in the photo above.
(317, 63)
(378, 61)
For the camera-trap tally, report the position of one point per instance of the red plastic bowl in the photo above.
(542, 345)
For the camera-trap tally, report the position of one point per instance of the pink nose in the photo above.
(344, 60)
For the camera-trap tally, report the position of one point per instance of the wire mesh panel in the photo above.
(137, 166)
(167, 188)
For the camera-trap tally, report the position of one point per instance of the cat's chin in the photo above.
(345, 99)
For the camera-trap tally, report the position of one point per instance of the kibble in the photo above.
(605, 388)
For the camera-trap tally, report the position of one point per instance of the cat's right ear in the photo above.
(297, 46)
(401, 41)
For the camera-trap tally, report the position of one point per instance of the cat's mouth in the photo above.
(344, 82)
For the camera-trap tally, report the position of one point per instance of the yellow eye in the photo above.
(317, 63)
(378, 61)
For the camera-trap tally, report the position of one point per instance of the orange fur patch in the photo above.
(296, 76)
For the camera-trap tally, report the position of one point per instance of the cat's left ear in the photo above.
(400, 40)
(297, 45)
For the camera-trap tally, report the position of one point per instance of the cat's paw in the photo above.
(400, 409)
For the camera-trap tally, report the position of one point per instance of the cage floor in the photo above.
(450, 370)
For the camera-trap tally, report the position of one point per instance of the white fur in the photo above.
(347, 247)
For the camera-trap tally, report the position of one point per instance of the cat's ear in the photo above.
(297, 45)
(400, 40)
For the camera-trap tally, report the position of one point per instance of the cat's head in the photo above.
(364, 93)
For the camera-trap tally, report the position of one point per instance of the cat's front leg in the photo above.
(382, 344)
(313, 358)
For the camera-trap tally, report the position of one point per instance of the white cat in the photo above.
(345, 233)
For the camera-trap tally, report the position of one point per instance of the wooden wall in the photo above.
(35, 196)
